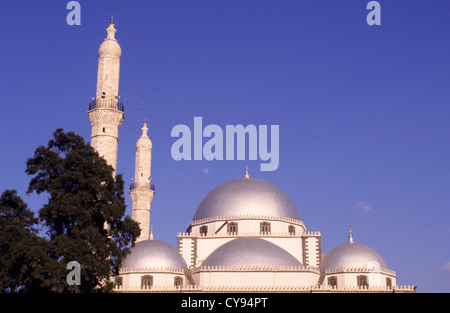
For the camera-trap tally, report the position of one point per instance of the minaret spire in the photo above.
(142, 191)
(106, 113)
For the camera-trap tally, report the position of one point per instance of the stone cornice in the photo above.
(258, 268)
(170, 270)
(247, 217)
(362, 269)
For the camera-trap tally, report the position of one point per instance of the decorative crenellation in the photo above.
(249, 234)
(247, 217)
(359, 269)
(152, 289)
(257, 268)
(312, 234)
(172, 270)
(240, 234)
(268, 289)
(366, 289)
(194, 252)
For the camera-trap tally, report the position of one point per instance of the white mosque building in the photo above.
(245, 236)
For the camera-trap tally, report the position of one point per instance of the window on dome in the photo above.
(203, 230)
(362, 281)
(146, 282)
(332, 282)
(232, 228)
(178, 282)
(118, 281)
(291, 230)
(264, 228)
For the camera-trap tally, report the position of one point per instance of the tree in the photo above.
(84, 215)
(24, 263)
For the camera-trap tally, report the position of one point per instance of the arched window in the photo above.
(264, 228)
(362, 282)
(118, 282)
(203, 230)
(332, 282)
(178, 282)
(146, 282)
(388, 282)
(291, 229)
(232, 228)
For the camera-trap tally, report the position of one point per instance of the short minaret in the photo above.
(141, 190)
(106, 113)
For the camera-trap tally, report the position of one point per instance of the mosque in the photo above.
(245, 236)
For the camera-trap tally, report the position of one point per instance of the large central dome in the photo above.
(246, 197)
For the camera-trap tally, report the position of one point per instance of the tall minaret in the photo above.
(141, 190)
(106, 113)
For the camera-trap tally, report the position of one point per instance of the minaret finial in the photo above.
(350, 236)
(246, 172)
(111, 31)
(144, 128)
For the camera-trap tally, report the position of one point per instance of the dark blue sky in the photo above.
(363, 110)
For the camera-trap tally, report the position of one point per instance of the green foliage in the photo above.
(84, 217)
(24, 262)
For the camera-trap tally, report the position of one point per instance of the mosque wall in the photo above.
(269, 277)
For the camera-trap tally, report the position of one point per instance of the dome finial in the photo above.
(151, 233)
(246, 172)
(111, 20)
(350, 236)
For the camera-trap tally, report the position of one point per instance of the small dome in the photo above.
(144, 143)
(250, 251)
(350, 255)
(110, 47)
(154, 253)
(246, 196)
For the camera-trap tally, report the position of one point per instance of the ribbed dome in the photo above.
(246, 196)
(351, 255)
(154, 253)
(250, 251)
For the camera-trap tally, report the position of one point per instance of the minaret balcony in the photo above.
(146, 186)
(106, 104)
